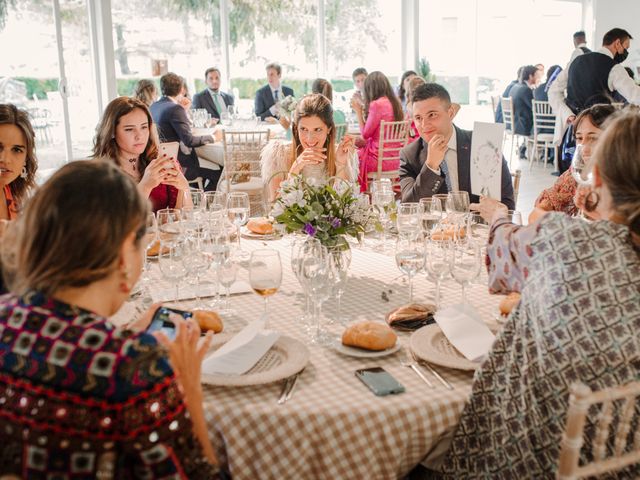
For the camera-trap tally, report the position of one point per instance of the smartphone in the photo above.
(170, 149)
(379, 381)
(161, 322)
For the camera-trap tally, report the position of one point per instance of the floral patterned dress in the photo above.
(578, 321)
(80, 399)
(559, 197)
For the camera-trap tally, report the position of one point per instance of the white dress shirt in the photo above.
(619, 80)
(576, 53)
(274, 109)
(451, 157)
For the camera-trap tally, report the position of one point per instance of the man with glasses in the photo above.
(440, 162)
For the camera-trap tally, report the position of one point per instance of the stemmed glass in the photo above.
(298, 254)
(171, 261)
(265, 275)
(217, 248)
(581, 169)
(410, 259)
(215, 201)
(340, 260)
(197, 198)
(227, 272)
(457, 202)
(408, 219)
(437, 253)
(465, 264)
(238, 212)
(168, 223)
(431, 211)
(365, 203)
(150, 239)
(197, 260)
(383, 197)
(315, 270)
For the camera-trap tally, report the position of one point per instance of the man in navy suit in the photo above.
(440, 161)
(211, 98)
(173, 126)
(271, 94)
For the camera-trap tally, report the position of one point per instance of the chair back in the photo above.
(393, 138)
(516, 177)
(341, 130)
(507, 114)
(544, 119)
(242, 155)
(495, 101)
(613, 444)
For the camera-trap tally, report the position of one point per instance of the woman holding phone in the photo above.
(81, 397)
(127, 135)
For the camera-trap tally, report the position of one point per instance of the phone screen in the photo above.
(162, 323)
(379, 381)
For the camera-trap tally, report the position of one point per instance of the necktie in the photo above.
(445, 170)
(275, 95)
(216, 101)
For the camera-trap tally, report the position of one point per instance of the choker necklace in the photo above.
(134, 164)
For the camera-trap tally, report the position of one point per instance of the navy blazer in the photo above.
(419, 181)
(498, 116)
(173, 126)
(522, 97)
(204, 100)
(264, 100)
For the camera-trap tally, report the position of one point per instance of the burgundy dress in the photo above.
(163, 196)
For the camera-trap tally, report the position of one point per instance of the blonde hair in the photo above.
(104, 144)
(73, 228)
(413, 84)
(146, 92)
(616, 155)
(315, 105)
(20, 187)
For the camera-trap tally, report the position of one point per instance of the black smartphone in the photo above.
(379, 381)
(161, 322)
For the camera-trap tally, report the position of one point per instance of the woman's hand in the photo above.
(345, 147)
(356, 104)
(310, 156)
(173, 176)
(142, 323)
(490, 209)
(154, 174)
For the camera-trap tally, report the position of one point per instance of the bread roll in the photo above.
(261, 226)
(508, 302)
(154, 250)
(370, 336)
(208, 320)
(415, 311)
(448, 233)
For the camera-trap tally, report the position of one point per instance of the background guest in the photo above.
(358, 76)
(212, 98)
(580, 45)
(173, 126)
(499, 118)
(127, 136)
(576, 322)
(122, 405)
(323, 87)
(268, 97)
(146, 92)
(541, 91)
(380, 103)
(522, 95)
(402, 87)
(18, 162)
(413, 83)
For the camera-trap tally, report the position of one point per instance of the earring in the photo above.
(591, 201)
(24, 174)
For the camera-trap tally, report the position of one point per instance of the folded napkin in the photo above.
(187, 292)
(242, 352)
(466, 331)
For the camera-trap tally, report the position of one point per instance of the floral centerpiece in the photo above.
(287, 106)
(320, 210)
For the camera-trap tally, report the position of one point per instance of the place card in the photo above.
(466, 331)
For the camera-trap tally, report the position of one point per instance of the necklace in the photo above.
(133, 162)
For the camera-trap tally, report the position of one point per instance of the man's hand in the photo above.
(437, 148)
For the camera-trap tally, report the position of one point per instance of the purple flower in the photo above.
(309, 230)
(335, 223)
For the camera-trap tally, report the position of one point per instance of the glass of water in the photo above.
(410, 259)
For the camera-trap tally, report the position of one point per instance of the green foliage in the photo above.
(424, 69)
(458, 88)
(5, 5)
(39, 86)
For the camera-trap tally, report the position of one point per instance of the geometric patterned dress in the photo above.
(81, 399)
(578, 320)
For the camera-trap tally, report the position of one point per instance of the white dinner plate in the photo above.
(362, 353)
(431, 345)
(246, 233)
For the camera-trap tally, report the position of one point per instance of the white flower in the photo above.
(277, 209)
(292, 197)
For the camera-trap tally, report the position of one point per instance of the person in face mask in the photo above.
(592, 78)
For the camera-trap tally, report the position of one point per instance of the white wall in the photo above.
(608, 14)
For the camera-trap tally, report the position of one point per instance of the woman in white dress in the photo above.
(312, 152)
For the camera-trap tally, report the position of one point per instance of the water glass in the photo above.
(169, 226)
(238, 212)
(217, 248)
(227, 272)
(265, 275)
(340, 260)
(171, 262)
(410, 259)
(315, 270)
(465, 264)
(197, 260)
(149, 241)
(197, 199)
(408, 219)
(457, 202)
(437, 259)
(431, 211)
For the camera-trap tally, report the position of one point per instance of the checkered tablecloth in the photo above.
(333, 427)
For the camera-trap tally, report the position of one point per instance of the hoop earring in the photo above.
(591, 201)
(24, 174)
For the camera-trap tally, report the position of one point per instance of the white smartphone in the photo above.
(170, 149)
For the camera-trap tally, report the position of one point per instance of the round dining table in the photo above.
(333, 427)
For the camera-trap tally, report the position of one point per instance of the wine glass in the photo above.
(408, 219)
(197, 260)
(410, 259)
(340, 260)
(238, 212)
(265, 275)
(383, 197)
(227, 272)
(431, 210)
(437, 253)
(197, 198)
(149, 241)
(581, 168)
(217, 248)
(457, 202)
(364, 202)
(465, 264)
(168, 223)
(298, 253)
(171, 262)
(315, 271)
(214, 201)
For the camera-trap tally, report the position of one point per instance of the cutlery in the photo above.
(285, 390)
(294, 382)
(405, 362)
(437, 375)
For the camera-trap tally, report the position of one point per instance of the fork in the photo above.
(435, 373)
(285, 390)
(412, 364)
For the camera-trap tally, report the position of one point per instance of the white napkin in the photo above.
(466, 331)
(242, 352)
(187, 291)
